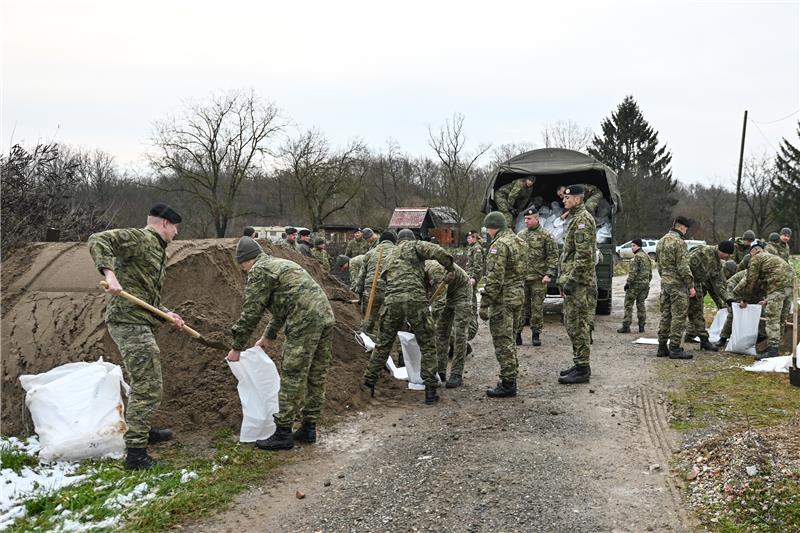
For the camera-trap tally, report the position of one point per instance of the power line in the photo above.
(778, 120)
(762, 134)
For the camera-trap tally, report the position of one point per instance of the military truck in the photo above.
(552, 168)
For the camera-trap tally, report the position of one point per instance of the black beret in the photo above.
(637, 242)
(290, 230)
(473, 232)
(574, 189)
(166, 212)
(680, 219)
(304, 232)
(725, 247)
(531, 211)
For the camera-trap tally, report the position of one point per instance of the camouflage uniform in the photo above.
(638, 287)
(357, 247)
(542, 261)
(406, 301)
(706, 268)
(454, 317)
(356, 264)
(138, 258)
(286, 243)
(503, 294)
(740, 251)
(776, 276)
(577, 277)
(781, 249)
(476, 266)
(591, 198)
(676, 280)
(323, 257)
(737, 292)
(507, 199)
(300, 306)
(433, 278)
(364, 284)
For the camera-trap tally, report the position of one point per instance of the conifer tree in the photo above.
(786, 185)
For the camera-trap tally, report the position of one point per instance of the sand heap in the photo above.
(53, 313)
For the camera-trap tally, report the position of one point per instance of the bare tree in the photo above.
(567, 135)
(758, 194)
(458, 187)
(213, 148)
(504, 152)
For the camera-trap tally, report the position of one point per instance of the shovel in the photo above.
(156, 311)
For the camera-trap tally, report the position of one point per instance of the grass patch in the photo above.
(15, 459)
(765, 507)
(716, 393)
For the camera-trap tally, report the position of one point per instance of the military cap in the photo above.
(473, 232)
(757, 244)
(304, 232)
(342, 260)
(531, 211)
(786, 231)
(388, 235)
(574, 190)
(749, 235)
(680, 219)
(357, 230)
(731, 266)
(434, 240)
(290, 230)
(247, 249)
(495, 220)
(726, 247)
(166, 212)
(367, 233)
(774, 237)
(406, 235)
(637, 242)
(319, 241)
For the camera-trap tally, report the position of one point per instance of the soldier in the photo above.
(371, 237)
(511, 196)
(577, 277)
(135, 260)
(295, 300)
(406, 301)
(737, 293)
(369, 275)
(434, 277)
(501, 303)
(777, 276)
(591, 198)
(319, 253)
(637, 287)
(786, 236)
(704, 262)
(291, 238)
(729, 269)
(304, 243)
(677, 286)
(476, 266)
(742, 247)
(357, 246)
(776, 245)
(542, 262)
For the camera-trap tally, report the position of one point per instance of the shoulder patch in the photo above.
(581, 226)
(493, 250)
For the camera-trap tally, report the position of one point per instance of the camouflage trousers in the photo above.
(305, 360)
(473, 321)
(141, 357)
(591, 302)
(369, 324)
(696, 326)
(636, 294)
(776, 313)
(577, 319)
(503, 322)
(453, 324)
(393, 318)
(533, 306)
(674, 303)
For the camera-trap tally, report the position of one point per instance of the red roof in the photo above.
(408, 217)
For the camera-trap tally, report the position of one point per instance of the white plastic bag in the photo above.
(365, 341)
(745, 329)
(400, 373)
(77, 410)
(259, 383)
(412, 356)
(715, 330)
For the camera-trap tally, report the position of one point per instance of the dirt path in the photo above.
(555, 458)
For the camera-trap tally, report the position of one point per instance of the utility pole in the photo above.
(739, 176)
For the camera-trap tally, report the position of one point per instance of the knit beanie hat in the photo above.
(247, 249)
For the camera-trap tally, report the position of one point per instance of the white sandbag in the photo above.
(77, 410)
(604, 233)
(745, 329)
(772, 364)
(412, 356)
(365, 341)
(259, 384)
(645, 340)
(400, 373)
(718, 323)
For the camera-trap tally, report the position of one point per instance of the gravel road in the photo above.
(555, 458)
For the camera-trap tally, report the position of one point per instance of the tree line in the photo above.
(234, 160)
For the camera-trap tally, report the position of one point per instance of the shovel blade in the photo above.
(212, 344)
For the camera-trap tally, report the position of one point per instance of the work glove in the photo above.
(625, 288)
(568, 288)
(483, 312)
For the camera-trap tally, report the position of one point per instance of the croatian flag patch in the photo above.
(581, 226)
(493, 251)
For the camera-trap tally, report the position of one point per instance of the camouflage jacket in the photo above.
(508, 197)
(288, 244)
(357, 247)
(356, 264)
(458, 290)
(288, 292)
(769, 270)
(740, 251)
(476, 262)
(781, 249)
(323, 257)
(138, 258)
(641, 270)
(578, 256)
(370, 262)
(736, 289)
(542, 254)
(706, 269)
(673, 260)
(505, 270)
(591, 198)
(403, 270)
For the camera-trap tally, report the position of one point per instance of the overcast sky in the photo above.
(98, 73)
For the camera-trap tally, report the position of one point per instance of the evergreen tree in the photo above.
(629, 145)
(786, 185)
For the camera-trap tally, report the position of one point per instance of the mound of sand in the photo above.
(53, 313)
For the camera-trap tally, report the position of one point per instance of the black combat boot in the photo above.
(535, 339)
(706, 345)
(663, 351)
(443, 376)
(430, 394)
(771, 351)
(519, 339)
(282, 439)
(371, 387)
(159, 435)
(137, 459)
(503, 389)
(677, 352)
(624, 329)
(721, 343)
(641, 328)
(454, 381)
(571, 369)
(307, 432)
(581, 374)
(689, 338)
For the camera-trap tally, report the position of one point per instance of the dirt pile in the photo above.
(53, 313)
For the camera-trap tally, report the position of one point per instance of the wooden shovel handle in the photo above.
(794, 323)
(155, 310)
(374, 287)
